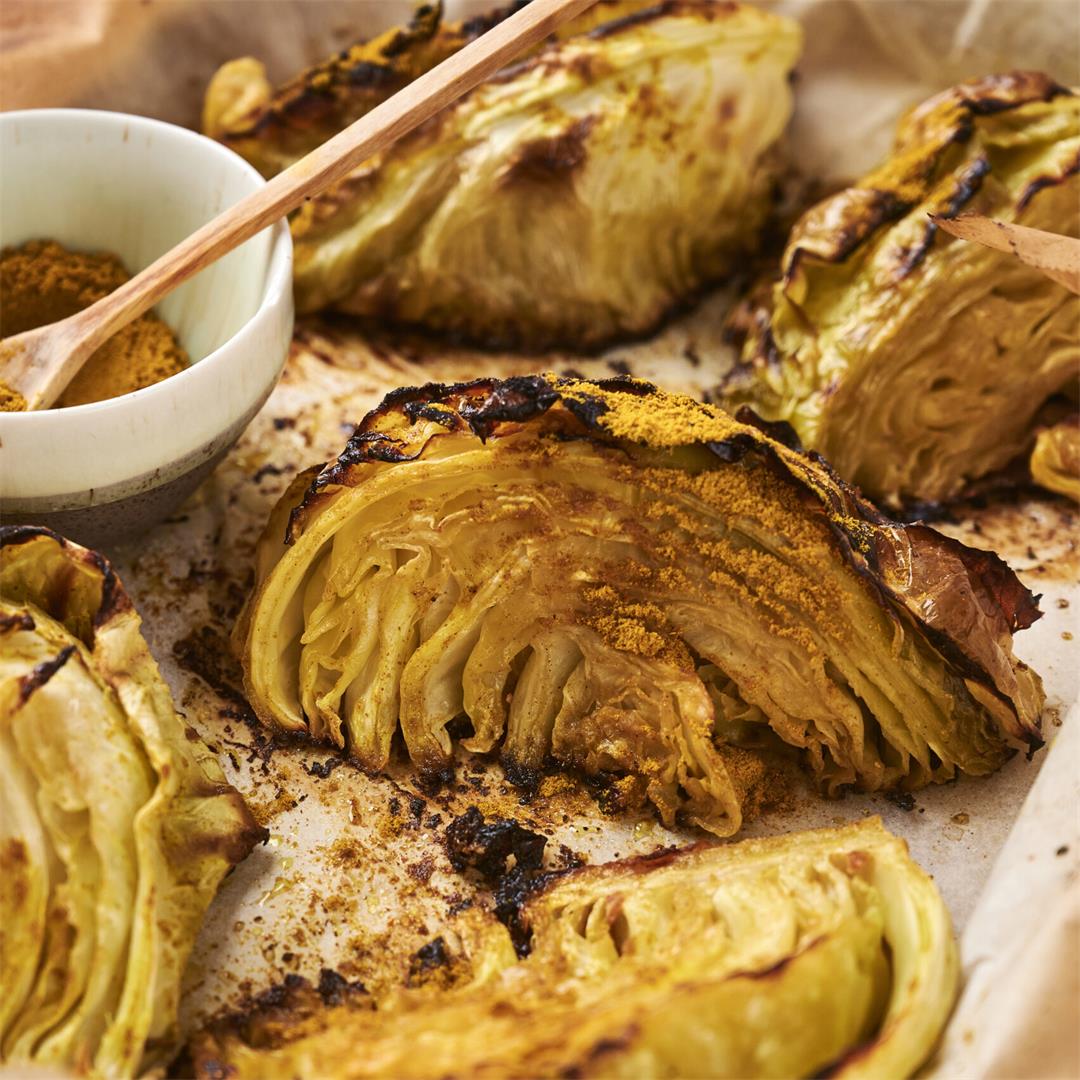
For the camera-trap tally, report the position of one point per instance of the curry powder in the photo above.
(42, 282)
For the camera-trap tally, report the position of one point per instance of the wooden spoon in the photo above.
(38, 364)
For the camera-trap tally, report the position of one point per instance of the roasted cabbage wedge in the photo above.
(576, 197)
(116, 823)
(913, 361)
(1055, 461)
(809, 953)
(635, 585)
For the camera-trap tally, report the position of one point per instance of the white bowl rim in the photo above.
(278, 270)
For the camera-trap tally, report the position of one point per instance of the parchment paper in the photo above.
(355, 876)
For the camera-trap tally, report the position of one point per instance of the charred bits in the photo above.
(431, 963)
(508, 857)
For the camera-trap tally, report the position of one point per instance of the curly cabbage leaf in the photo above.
(635, 585)
(116, 823)
(578, 196)
(1055, 461)
(792, 956)
(913, 361)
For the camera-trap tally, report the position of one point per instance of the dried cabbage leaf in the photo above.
(632, 584)
(116, 822)
(792, 956)
(578, 196)
(913, 361)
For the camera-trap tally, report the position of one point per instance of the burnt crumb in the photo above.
(474, 844)
(334, 988)
(608, 791)
(456, 904)
(394, 805)
(1063, 850)
(269, 470)
(902, 800)
(417, 806)
(421, 870)
(433, 954)
(291, 1001)
(620, 367)
(1031, 553)
(433, 964)
(284, 423)
(322, 769)
(433, 821)
(1062, 603)
(692, 356)
(525, 778)
(568, 859)
(432, 782)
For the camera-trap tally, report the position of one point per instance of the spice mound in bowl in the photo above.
(88, 199)
(42, 282)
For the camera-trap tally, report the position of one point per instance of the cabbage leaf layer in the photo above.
(827, 950)
(635, 585)
(578, 196)
(116, 823)
(1055, 461)
(916, 362)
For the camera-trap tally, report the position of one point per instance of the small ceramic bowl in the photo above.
(135, 187)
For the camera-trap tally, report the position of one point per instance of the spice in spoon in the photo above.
(42, 282)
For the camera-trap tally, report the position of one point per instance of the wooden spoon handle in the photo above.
(373, 132)
(1056, 255)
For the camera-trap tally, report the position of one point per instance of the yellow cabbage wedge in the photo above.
(116, 823)
(578, 196)
(1055, 461)
(635, 585)
(815, 952)
(913, 361)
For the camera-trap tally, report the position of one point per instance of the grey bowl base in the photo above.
(105, 524)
